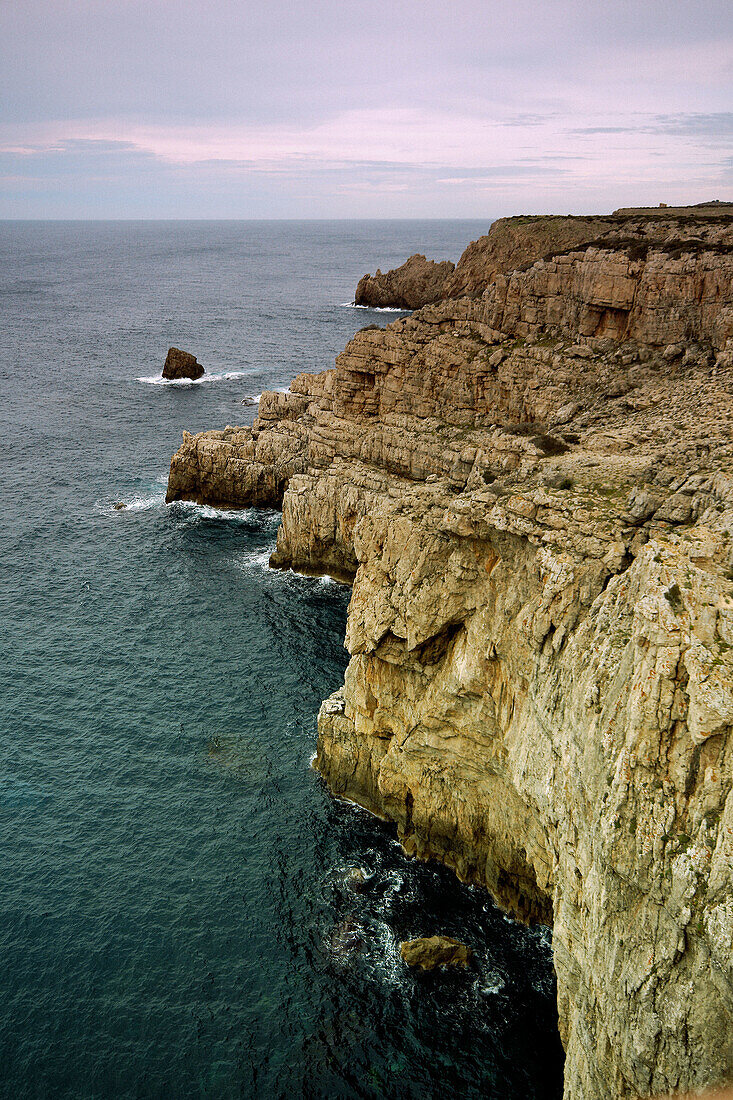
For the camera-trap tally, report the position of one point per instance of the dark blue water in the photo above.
(172, 888)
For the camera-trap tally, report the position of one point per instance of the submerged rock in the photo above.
(181, 364)
(346, 939)
(429, 952)
(356, 879)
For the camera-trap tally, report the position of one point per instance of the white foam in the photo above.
(158, 380)
(136, 504)
(385, 958)
(491, 982)
(254, 517)
(374, 309)
(207, 511)
(254, 559)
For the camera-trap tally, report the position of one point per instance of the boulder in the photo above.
(357, 880)
(431, 951)
(181, 364)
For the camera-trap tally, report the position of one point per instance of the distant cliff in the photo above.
(530, 487)
(513, 243)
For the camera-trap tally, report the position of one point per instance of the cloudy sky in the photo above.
(337, 108)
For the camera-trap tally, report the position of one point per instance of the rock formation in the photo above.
(414, 284)
(430, 952)
(531, 491)
(181, 364)
(513, 243)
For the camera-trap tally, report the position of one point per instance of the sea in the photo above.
(177, 917)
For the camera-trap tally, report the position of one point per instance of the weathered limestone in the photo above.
(515, 243)
(430, 952)
(414, 284)
(532, 494)
(181, 364)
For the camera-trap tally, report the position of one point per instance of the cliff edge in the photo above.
(530, 488)
(513, 243)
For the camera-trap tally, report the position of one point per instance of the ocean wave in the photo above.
(490, 982)
(383, 957)
(138, 503)
(258, 518)
(224, 376)
(374, 309)
(254, 559)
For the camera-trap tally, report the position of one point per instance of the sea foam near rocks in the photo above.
(224, 376)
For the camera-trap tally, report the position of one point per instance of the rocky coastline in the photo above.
(529, 484)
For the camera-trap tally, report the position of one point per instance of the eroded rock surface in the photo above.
(514, 243)
(181, 364)
(430, 952)
(532, 493)
(414, 284)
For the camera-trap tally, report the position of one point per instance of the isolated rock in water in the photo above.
(431, 951)
(181, 364)
(119, 505)
(356, 880)
(411, 286)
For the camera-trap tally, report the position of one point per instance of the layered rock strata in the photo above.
(531, 492)
(513, 243)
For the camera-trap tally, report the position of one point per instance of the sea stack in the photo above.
(181, 364)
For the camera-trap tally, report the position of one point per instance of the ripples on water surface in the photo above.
(174, 913)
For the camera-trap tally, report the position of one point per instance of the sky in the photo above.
(344, 109)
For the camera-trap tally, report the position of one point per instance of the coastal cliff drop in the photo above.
(529, 484)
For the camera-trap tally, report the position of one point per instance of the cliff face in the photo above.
(513, 243)
(532, 493)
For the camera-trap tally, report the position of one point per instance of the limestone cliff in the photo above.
(513, 243)
(531, 490)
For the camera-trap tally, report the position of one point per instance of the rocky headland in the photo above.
(529, 485)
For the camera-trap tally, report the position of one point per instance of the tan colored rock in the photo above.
(414, 284)
(181, 364)
(516, 243)
(540, 689)
(430, 952)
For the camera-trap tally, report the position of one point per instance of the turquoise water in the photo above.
(175, 919)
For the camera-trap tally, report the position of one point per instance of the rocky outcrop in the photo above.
(430, 952)
(514, 243)
(181, 364)
(414, 284)
(531, 492)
